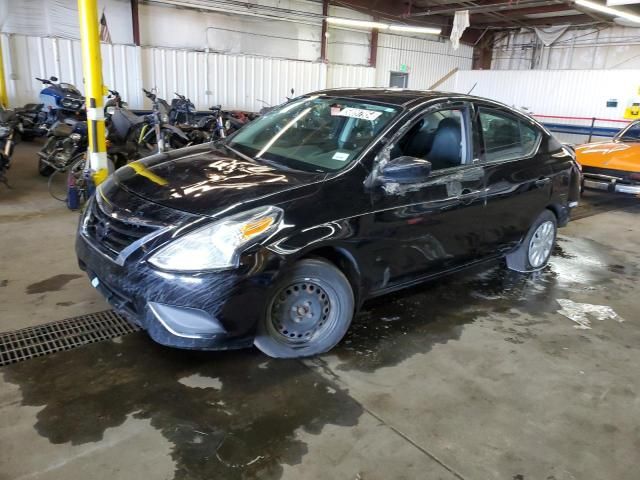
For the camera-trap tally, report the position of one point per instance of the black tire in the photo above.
(527, 257)
(44, 169)
(319, 305)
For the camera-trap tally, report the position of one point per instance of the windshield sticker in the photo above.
(341, 156)
(356, 113)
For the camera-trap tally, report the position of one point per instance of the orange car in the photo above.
(613, 166)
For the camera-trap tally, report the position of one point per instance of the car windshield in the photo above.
(630, 133)
(318, 134)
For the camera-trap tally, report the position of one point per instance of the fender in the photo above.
(176, 131)
(328, 240)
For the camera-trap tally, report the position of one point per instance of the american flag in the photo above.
(105, 36)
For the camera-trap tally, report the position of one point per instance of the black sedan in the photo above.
(276, 235)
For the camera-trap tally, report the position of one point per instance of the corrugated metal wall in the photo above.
(339, 75)
(590, 48)
(28, 57)
(572, 93)
(427, 61)
(233, 81)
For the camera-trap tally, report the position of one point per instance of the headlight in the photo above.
(75, 137)
(219, 245)
(66, 102)
(4, 131)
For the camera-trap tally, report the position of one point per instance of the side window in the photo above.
(506, 137)
(438, 137)
(632, 133)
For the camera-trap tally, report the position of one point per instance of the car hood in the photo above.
(205, 180)
(611, 155)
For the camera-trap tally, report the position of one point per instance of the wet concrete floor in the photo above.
(486, 374)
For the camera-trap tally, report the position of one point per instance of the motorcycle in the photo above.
(182, 111)
(131, 136)
(9, 124)
(59, 101)
(67, 140)
(29, 120)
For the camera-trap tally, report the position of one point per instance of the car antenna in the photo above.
(474, 86)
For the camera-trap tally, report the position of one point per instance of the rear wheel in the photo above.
(535, 250)
(309, 312)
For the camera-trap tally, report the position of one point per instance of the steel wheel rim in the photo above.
(541, 244)
(301, 312)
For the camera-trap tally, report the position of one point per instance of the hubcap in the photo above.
(300, 311)
(541, 244)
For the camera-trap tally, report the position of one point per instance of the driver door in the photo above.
(435, 224)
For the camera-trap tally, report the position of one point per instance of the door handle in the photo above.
(542, 182)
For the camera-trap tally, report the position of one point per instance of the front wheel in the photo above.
(535, 250)
(309, 312)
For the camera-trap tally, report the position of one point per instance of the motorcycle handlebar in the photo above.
(149, 95)
(43, 80)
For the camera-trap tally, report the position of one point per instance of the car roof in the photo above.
(393, 96)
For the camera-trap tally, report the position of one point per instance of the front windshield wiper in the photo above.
(278, 165)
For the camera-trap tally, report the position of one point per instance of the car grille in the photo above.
(112, 235)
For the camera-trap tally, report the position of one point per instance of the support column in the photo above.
(373, 54)
(323, 35)
(4, 97)
(483, 52)
(135, 22)
(94, 89)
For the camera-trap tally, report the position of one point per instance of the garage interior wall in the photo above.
(237, 61)
(576, 98)
(577, 49)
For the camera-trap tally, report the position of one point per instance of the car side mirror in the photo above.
(405, 170)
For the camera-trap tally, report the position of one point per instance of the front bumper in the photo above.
(610, 181)
(611, 186)
(201, 311)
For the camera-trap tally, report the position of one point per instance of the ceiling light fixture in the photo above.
(347, 22)
(608, 10)
(409, 29)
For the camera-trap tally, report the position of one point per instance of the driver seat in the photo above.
(446, 150)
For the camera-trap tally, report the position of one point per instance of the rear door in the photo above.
(518, 174)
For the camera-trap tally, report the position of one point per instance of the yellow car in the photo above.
(613, 166)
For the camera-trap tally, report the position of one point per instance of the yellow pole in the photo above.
(4, 98)
(93, 87)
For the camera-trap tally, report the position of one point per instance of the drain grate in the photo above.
(65, 334)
